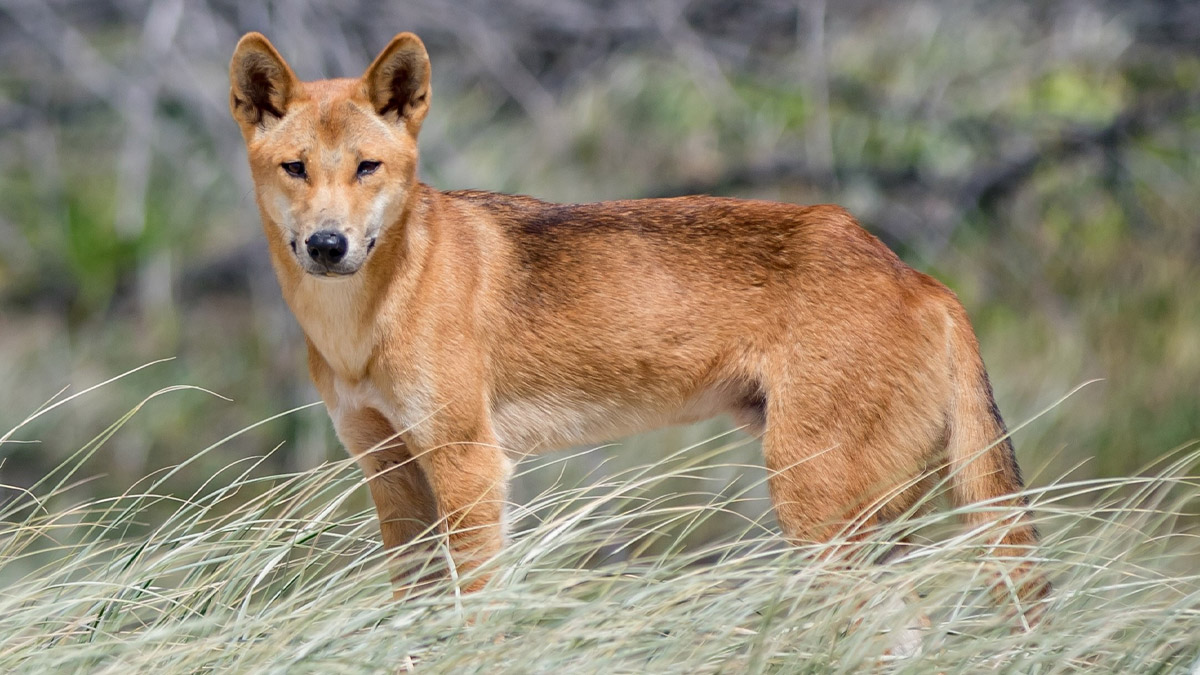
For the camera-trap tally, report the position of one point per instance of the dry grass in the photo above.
(279, 574)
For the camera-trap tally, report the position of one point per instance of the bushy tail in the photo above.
(983, 467)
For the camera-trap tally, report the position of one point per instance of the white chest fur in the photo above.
(330, 312)
(350, 399)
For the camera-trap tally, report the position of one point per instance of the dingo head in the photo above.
(334, 162)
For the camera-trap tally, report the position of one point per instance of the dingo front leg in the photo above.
(403, 499)
(470, 487)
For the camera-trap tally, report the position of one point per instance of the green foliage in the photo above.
(1076, 94)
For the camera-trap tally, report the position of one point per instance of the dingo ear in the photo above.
(261, 83)
(398, 81)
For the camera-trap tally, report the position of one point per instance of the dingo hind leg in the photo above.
(814, 484)
(845, 434)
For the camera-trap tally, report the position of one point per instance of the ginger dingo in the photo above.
(452, 332)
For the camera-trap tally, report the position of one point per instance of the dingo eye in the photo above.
(367, 167)
(294, 169)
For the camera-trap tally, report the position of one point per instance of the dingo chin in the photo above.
(452, 332)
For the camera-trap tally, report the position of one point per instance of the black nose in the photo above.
(326, 246)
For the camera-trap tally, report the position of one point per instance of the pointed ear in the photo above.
(261, 83)
(398, 81)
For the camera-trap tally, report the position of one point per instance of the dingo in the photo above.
(450, 332)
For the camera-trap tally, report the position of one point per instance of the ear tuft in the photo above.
(398, 81)
(261, 83)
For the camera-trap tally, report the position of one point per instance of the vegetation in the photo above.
(1040, 158)
(280, 573)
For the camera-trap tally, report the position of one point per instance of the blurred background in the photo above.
(1040, 158)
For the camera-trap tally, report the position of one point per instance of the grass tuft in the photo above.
(282, 573)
